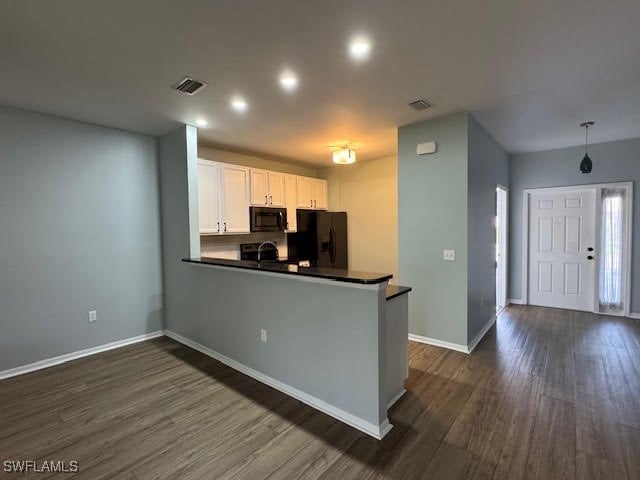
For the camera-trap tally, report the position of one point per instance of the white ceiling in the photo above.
(529, 70)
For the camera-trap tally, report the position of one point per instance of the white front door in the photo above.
(561, 240)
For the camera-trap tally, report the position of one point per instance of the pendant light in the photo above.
(586, 165)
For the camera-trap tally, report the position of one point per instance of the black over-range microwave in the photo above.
(268, 219)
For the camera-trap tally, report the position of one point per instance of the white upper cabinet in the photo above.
(267, 188)
(312, 193)
(235, 199)
(209, 212)
(291, 198)
(276, 189)
(304, 199)
(259, 187)
(319, 194)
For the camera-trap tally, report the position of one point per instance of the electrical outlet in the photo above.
(93, 316)
(263, 335)
(449, 255)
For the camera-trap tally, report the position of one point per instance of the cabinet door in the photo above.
(319, 194)
(304, 195)
(276, 189)
(291, 202)
(208, 197)
(235, 199)
(259, 187)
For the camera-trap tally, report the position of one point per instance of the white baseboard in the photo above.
(67, 357)
(474, 343)
(376, 431)
(634, 315)
(514, 301)
(396, 398)
(456, 346)
(439, 343)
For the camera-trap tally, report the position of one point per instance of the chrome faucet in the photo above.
(268, 242)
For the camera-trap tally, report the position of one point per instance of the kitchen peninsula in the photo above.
(334, 339)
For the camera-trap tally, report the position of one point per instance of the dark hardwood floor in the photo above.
(547, 394)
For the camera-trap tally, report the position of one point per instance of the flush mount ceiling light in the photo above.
(202, 122)
(586, 165)
(239, 104)
(288, 81)
(359, 48)
(344, 156)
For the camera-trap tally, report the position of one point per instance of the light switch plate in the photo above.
(449, 255)
(93, 316)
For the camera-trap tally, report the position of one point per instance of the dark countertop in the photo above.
(394, 291)
(349, 276)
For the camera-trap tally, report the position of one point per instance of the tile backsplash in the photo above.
(228, 246)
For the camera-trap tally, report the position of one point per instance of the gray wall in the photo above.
(326, 345)
(612, 162)
(432, 216)
(79, 230)
(488, 167)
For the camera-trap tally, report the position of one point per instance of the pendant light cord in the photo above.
(586, 138)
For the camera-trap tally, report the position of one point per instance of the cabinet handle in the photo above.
(265, 200)
(271, 199)
(225, 226)
(311, 203)
(218, 227)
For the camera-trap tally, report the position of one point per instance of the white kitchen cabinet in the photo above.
(304, 198)
(223, 198)
(235, 199)
(276, 189)
(312, 193)
(267, 188)
(319, 194)
(291, 201)
(209, 212)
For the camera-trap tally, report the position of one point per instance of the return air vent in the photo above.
(420, 104)
(189, 86)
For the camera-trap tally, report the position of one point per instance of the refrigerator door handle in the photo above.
(332, 244)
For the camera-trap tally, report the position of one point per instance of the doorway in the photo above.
(578, 247)
(501, 247)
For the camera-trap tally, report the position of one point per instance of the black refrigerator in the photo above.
(321, 239)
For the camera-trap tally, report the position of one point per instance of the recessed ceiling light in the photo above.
(202, 122)
(360, 48)
(239, 104)
(288, 80)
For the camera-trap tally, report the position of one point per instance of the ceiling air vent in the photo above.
(420, 104)
(189, 86)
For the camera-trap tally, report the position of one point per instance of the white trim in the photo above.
(474, 343)
(396, 398)
(633, 315)
(67, 357)
(376, 431)
(505, 239)
(628, 247)
(456, 346)
(438, 343)
(515, 301)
